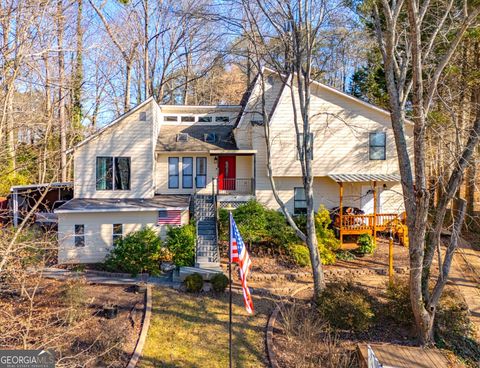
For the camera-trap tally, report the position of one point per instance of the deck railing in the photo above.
(235, 186)
(366, 222)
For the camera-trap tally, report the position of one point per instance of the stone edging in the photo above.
(328, 273)
(137, 353)
(270, 327)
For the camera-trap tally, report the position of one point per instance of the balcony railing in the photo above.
(235, 186)
(365, 222)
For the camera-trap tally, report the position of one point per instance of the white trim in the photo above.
(199, 107)
(114, 122)
(145, 209)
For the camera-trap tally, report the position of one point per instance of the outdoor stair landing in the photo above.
(399, 356)
(207, 252)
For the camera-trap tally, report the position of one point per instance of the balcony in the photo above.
(235, 186)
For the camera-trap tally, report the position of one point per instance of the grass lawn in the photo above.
(189, 330)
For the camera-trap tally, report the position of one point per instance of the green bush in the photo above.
(346, 306)
(219, 282)
(258, 224)
(365, 243)
(180, 243)
(194, 283)
(399, 307)
(299, 254)
(137, 252)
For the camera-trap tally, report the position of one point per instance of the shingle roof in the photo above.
(125, 204)
(345, 178)
(167, 139)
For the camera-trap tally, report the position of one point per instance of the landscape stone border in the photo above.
(271, 326)
(137, 353)
(341, 272)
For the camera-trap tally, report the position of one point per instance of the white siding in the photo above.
(98, 232)
(326, 193)
(131, 138)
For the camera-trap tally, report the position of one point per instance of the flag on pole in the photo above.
(239, 254)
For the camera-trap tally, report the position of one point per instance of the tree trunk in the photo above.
(61, 97)
(128, 77)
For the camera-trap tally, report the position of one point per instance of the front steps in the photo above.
(207, 252)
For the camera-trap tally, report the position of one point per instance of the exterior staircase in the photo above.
(207, 252)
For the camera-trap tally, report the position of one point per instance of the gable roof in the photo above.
(323, 86)
(111, 124)
(167, 139)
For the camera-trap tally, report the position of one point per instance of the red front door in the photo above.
(226, 172)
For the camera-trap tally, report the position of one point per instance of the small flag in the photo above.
(239, 254)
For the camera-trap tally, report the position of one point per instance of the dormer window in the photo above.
(222, 119)
(182, 137)
(210, 137)
(170, 118)
(188, 119)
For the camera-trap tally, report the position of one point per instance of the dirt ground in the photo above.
(69, 318)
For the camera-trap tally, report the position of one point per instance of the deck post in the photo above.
(341, 213)
(375, 212)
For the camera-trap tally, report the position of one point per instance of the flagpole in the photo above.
(229, 208)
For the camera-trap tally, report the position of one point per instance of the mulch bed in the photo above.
(69, 318)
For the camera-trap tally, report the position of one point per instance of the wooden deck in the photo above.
(399, 356)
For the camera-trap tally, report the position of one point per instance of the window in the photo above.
(222, 119)
(201, 178)
(170, 118)
(117, 232)
(143, 116)
(187, 172)
(104, 173)
(377, 144)
(79, 235)
(113, 173)
(187, 119)
(182, 137)
(122, 173)
(173, 172)
(205, 119)
(299, 201)
(300, 140)
(210, 137)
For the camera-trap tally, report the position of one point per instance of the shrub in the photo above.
(299, 254)
(399, 307)
(137, 252)
(346, 306)
(194, 282)
(74, 296)
(180, 243)
(258, 224)
(219, 282)
(365, 244)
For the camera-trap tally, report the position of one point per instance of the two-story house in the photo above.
(157, 165)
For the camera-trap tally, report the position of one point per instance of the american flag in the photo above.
(169, 217)
(239, 255)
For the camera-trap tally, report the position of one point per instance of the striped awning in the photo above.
(351, 178)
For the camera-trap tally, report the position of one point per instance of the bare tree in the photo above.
(413, 40)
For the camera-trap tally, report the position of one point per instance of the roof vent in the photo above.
(182, 137)
(210, 137)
